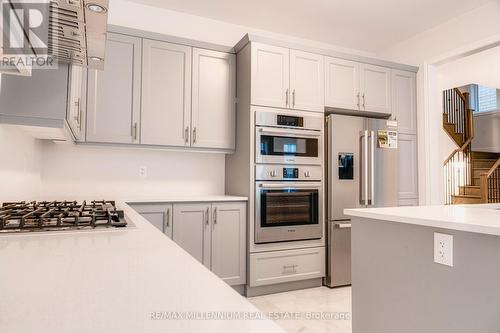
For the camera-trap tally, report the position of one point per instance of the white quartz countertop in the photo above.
(113, 281)
(484, 219)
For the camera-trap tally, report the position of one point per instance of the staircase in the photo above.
(470, 177)
(482, 163)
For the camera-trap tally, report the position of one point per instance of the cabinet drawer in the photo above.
(285, 266)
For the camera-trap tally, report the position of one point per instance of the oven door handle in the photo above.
(281, 186)
(290, 132)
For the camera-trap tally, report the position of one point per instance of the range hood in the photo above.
(76, 34)
(77, 31)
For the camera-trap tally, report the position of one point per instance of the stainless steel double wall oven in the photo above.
(288, 173)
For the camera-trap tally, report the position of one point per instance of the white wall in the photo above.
(468, 28)
(73, 171)
(19, 165)
(457, 36)
(487, 132)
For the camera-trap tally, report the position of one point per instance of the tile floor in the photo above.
(336, 302)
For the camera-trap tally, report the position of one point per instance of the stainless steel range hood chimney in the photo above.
(77, 31)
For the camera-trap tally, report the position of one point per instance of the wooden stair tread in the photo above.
(467, 196)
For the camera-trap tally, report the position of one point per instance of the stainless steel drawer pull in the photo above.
(290, 268)
(293, 98)
(134, 131)
(194, 135)
(286, 96)
(186, 135)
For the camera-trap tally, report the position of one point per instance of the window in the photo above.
(487, 99)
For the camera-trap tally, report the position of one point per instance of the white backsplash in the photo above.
(20, 165)
(71, 171)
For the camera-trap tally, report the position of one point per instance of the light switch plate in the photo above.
(443, 249)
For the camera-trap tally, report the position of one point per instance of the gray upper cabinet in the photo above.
(77, 92)
(229, 242)
(192, 230)
(404, 101)
(159, 215)
(213, 99)
(375, 87)
(113, 99)
(342, 84)
(307, 81)
(166, 94)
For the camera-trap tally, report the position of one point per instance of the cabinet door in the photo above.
(77, 92)
(166, 94)
(307, 81)
(270, 75)
(192, 230)
(404, 102)
(159, 215)
(408, 167)
(113, 104)
(213, 99)
(342, 84)
(375, 82)
(229, 242)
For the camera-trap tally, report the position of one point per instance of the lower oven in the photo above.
(288, 211)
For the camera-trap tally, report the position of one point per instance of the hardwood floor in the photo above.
(335, 303)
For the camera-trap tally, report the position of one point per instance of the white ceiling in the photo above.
(370, 25)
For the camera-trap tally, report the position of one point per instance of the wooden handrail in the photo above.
(461, 95)
(484, 181)
(493, 168)
(461, 149)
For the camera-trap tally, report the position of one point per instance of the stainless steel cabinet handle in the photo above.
(359, 100)
(286, 97)
(186, 135)
(134, 131)
(364, 101)
(290, 268)
(342, 225)
(293, 97)
(77, 113)
(207, 216)
(194, 135)
(166, 220)
(215, 216)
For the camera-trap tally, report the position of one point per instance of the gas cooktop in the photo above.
(59, 215)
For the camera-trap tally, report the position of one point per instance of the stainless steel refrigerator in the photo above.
(362, 171)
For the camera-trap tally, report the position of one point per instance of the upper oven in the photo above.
(285, 138)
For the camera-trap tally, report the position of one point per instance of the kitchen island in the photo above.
(396, 285)
(130, 280)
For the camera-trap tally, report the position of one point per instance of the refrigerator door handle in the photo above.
(363, 183)
(372, 169)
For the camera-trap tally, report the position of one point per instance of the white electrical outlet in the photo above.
(443, 249)
(143, 171)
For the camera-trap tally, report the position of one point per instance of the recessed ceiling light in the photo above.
(96, 8)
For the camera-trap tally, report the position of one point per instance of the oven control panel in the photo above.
(285, 172)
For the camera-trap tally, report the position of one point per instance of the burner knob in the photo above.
(273, 173)
(307, 174)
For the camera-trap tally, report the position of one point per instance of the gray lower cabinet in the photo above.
(160, 215)
(113, 98)
(229, 242)
(213, 233)
(192, 226)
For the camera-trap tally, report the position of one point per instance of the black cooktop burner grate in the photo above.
(59, 215)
